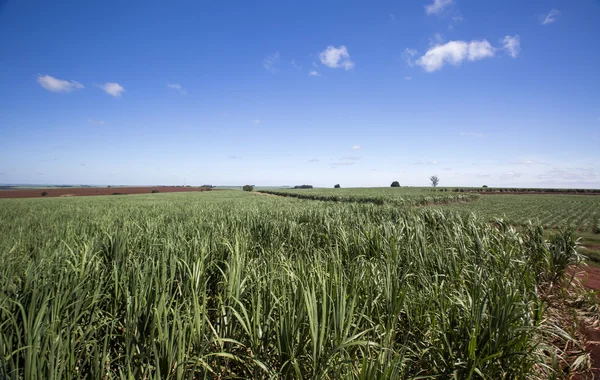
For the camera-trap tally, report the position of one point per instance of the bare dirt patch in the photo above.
(590, 278)
(88, 191)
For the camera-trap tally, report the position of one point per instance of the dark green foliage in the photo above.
(337, 186)
(44, 193)
(155, 191)
(434, 180)
(303, 187)
(395, 184)
(248, 188)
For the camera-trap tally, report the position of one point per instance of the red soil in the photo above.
(591, 280)
(83, 191)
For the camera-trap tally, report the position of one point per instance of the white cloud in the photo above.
(271, 61)
(408, 55)
(351, 158)
(314, 160)
(512, 45)
(454, 52)
(178, 87)
(432, 162)
(97, 122)
(550, 17)
(407, 78)
(58, 85)
(113, 89)
(336, 58)
(356, 147)
(437, 7)
(313, 73)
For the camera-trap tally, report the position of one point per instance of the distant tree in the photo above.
(484, 186)
(337, 186)
(248, 188)
(155, 191)
(303, 187)
(434, 180)
(44, 193)
(395, 184)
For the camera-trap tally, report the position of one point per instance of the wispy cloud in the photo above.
(336, 58)
(270, 62)
(570, 175)
(342, 163)
(436, 39)
(351, 158)
(178, 87)
(392, 18)
(407, 78)
(455, 52)
(314, 160)
(512, 45)
(472, 134)
(437, 7)
(530, 162)
(58, 85)
(256, 122)
(550, 17)
(509, 175)
(455, 21)
(356, 147)
(313, 73)
(434, 162)
(97, 122)
(409, 56)
(113, 89)
(234, 157)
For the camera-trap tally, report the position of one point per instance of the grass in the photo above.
(232, 285)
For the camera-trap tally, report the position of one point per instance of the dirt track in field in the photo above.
(87, 191)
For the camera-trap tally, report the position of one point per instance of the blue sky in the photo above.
(502, 93)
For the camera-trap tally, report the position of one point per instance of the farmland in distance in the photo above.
(232, 284)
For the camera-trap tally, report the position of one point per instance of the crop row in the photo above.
(551, 211)
(409, 199)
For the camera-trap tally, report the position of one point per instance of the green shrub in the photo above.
(155, 191)
(44, 193)
(248, 188)
(337, 186)
(395, 184)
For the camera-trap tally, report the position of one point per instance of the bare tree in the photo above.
(434, 180)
